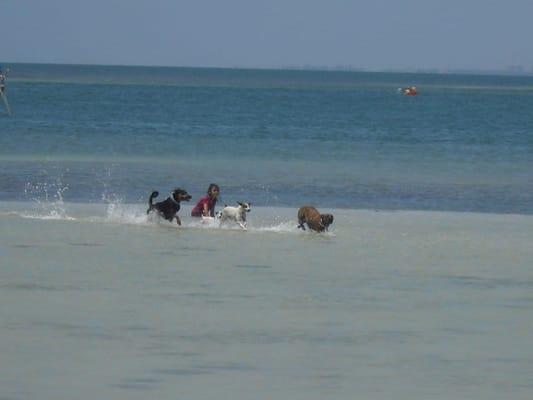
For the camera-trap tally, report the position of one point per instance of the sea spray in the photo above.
(47, 198)
(119, 212)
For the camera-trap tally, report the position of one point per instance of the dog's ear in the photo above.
(239, 203)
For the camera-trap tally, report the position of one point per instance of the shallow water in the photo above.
(99, 301)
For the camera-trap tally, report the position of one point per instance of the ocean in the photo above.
(421, 288)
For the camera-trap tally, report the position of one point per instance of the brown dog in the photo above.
(314, 220)
(168, 208)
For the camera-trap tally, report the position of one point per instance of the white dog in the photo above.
(237, 214)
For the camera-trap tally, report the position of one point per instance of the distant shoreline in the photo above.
(511, 71)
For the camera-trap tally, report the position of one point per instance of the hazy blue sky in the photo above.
(373, 34)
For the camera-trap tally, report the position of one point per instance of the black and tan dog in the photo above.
(169, 208)
(318, 222)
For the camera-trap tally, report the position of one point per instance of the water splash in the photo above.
(119, 212)
(48, 200)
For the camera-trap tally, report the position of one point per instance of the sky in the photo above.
(365, 34)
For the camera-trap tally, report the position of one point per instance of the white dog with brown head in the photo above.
(237, 214)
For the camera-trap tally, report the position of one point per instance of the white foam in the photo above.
(281, 227)
(52, 216)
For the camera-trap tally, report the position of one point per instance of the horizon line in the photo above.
(508, 71)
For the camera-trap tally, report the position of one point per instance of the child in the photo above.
(206, 206)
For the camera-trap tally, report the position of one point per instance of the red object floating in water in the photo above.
(409, 91)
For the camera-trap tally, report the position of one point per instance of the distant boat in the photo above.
(408, 91)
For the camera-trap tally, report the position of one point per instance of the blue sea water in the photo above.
(273, 137)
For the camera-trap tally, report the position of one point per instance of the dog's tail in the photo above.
(154, 194)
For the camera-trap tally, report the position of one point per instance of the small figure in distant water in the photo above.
(3, 95)
(206, 205)
(409, 91)
(3, 76)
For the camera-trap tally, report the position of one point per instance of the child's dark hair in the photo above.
(213, 186)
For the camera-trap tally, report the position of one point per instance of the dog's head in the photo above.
(326, 220)
(245, 206)
(180, 195)
(218, 214)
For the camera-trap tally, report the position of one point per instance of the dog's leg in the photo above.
(178, 220)
(301, 224)
(240, 221)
